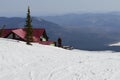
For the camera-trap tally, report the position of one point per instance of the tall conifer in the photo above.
(28, 28)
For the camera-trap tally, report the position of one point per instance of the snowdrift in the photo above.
(19, 61)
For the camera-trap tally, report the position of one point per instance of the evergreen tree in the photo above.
(28, 28)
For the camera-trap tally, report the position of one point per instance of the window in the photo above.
(42, 38)
(10, 36)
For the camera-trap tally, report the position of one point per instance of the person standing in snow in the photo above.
(59, 42)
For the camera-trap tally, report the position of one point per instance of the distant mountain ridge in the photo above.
(18, 22)
(87, 19)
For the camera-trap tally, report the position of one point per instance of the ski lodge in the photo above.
(39, 35)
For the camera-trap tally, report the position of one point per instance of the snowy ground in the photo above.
(19, 61)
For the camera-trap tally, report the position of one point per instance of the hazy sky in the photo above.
(46, 7)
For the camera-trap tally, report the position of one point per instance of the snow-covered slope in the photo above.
(19, 61)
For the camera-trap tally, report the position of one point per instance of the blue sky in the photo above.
(48, 7)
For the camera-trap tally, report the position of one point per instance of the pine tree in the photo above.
(28, 28)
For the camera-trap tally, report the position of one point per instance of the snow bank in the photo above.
(115, 44)
(19, 61)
